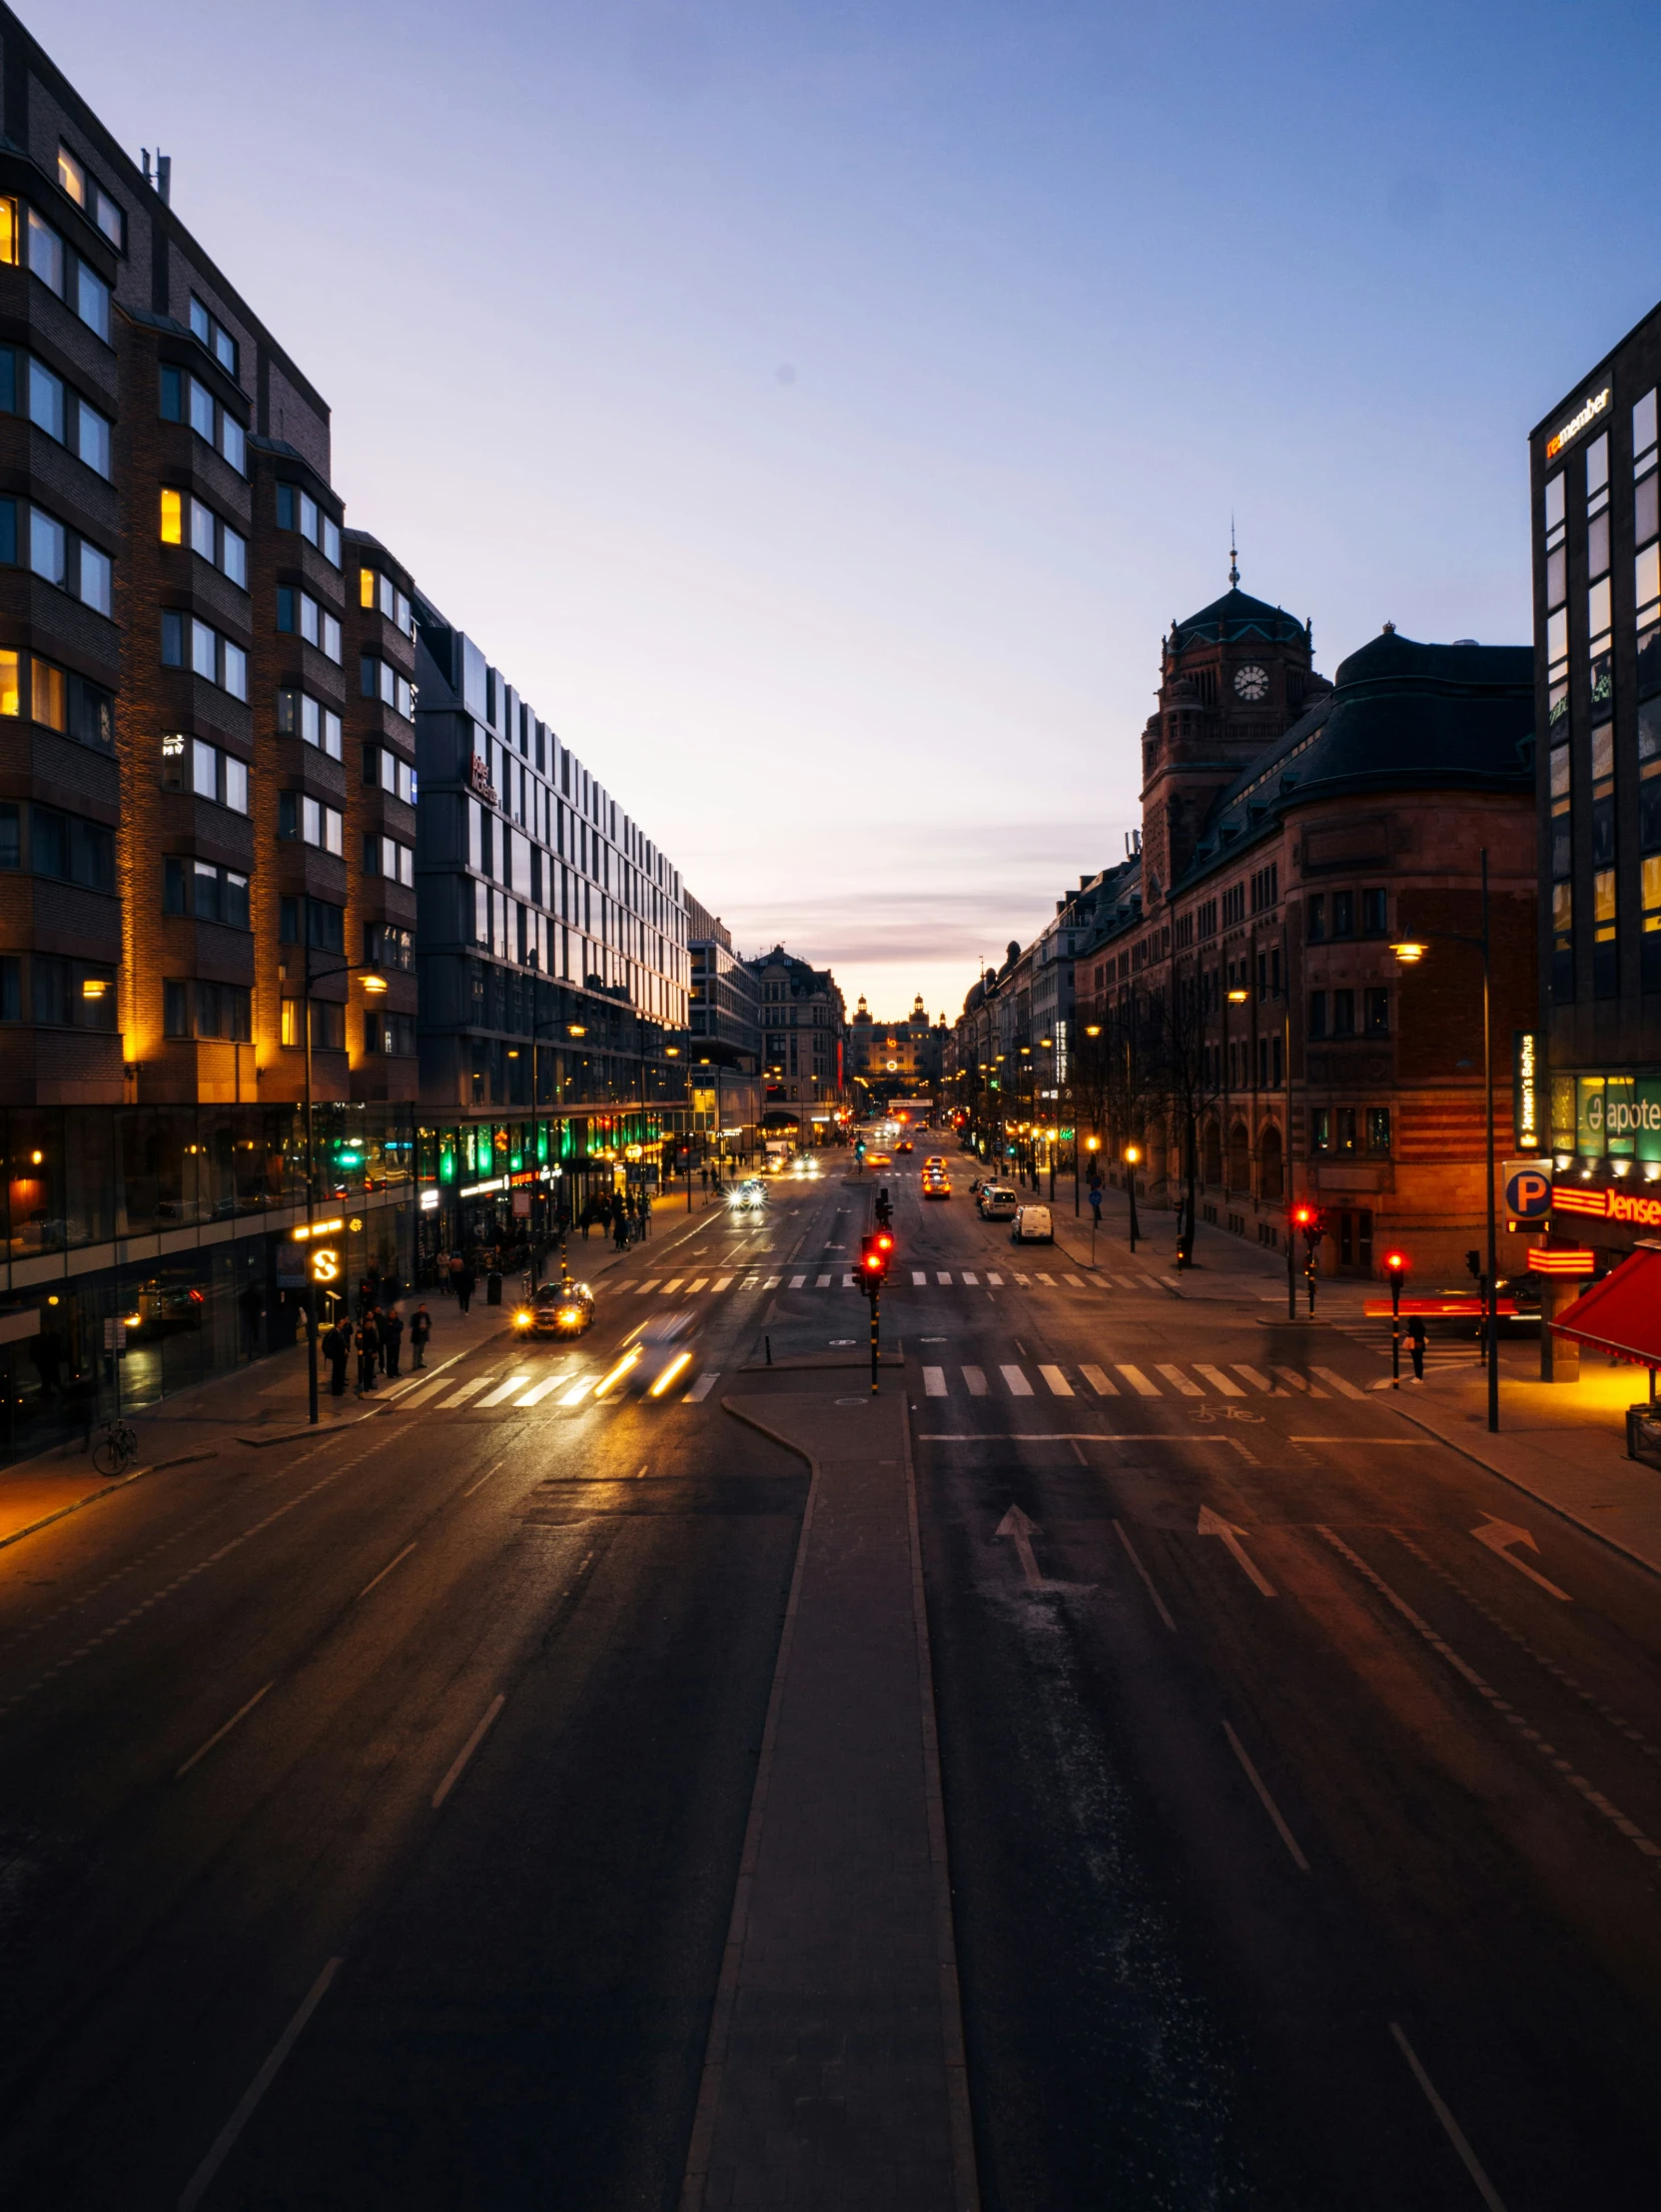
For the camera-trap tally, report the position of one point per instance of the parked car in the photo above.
(998, 1202)
(1032, 1225)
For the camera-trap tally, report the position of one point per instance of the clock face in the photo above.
(1252, 683)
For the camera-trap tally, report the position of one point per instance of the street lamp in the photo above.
(1132, 1153)
(1409, 952)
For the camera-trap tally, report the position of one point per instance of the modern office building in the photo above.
(1596, 507)
(725, 1042)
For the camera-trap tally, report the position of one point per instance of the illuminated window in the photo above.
(173, 518)
(10, 686)
(72, 177)
(8, 233)
(1603, 906)
(366, 587)
(47, 694)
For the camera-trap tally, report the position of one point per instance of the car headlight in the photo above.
(569, 1315)
(522, 1319)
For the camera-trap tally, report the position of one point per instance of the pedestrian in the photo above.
(369, 1353)
(420, 1328)
(335, 1348)
(619, 1228)
(588, 1221)
(466, 1283)
(1415, 1344)
(252, 1306)
(392, 1339)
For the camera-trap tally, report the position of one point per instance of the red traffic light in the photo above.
(1396, 1264)
(873, 1262)
(1303, 1215)
(884, 1242)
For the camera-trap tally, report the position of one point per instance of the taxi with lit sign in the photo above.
(556, 1310)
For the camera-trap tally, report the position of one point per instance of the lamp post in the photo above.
(1286, 1149)
(1132, 1153)
(1409, 952)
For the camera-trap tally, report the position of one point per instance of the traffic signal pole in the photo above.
(875, 1316)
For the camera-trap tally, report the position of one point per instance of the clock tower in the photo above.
(1234, 678)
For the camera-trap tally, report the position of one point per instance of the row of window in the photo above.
(1333, 914)
(1332, 1013)
(223, 1011)
(383, 767)
(215, 1010)
(297, 510)
(76, 283)
(386, 856)
(210, 535)
(32, 538)
(377, 590)
(64, 846)
(379, 681)
(1347, 1128)
(208, 771)
(212, 333)
(67, 703)
(185, 398)
(209, 894)
(91, 198)
(189, 642)
(29, 388)
(59, 993)
(300, 715)
(298, 615)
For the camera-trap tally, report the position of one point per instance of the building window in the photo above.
(297, 510)
(1343, 1014)
(189, 643)
(1317, 1014)
(184, 398)
(300, 715)
(313, 922)
(214, 336)
(377, 591)
(390, 1033)
(1378, 1011)
(210, 894)
(1265, 887)
(385, 856)
(1345, 1130)
(300, 614)
(1343, 914)
(191, 764)
(1378, 1129)
(1320, 1129)
(209, 534)
(1316, 912)
(1375, 909)
(46, 254)
(387, 947)
(377, 680)
(300, 816)
(383, 767)
(219, 1010)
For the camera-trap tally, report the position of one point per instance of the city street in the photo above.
(374, 1803)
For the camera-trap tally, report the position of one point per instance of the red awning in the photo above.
(1622, 1314)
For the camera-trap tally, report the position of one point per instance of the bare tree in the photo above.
(1185, 1075)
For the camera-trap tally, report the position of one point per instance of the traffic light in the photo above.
(1395, 1266)
(873, 1263)
(1311, 1221)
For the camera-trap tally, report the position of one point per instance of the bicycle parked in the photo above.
(116, 1449)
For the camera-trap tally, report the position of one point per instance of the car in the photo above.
(904, 1146)
(747, 1197)
(653, 1354)
(556, 1310)
(934, 1161)
(169, 1305)
(937, 1187)
(879, 1159)
(998, 1202)
(1032, 1225)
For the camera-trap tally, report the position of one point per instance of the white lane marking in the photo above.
(461, 1397)
(1344, 1390)
(943, 1274)
(1498, 1536)
(919, 1281)
(1023, 1280)
(1268, 1804)
(701, 1388)
(1077, 1281)
(537, 1394)
(427, 1390)
(197, 2187)
(483, 1480)
(934, 1382)
(752, 1282)
(1059, 1385)
(822, 1282)
(1455, 2134)
(1138, 1382)
(1050, 1279)
(1297, 1381)
(719, 1284)
(1257, 1380)
(1020, 1531)
(975, 1377)
(1098, 1382)
(1147, 1579)
(386, 1570)
(674, 1282)
(772, 1282)
(1019, 1386)
(1176, 1376)
(220, 1734)
(1548, 1751)
(459, 1764)
(1380, 1443)
(997, 1281)
(1217, 1380)
(507, 1388)
(798, 1282)
(642, 1288)
(968, 1277)
(1213, 1524)
(849, 1281)
(696, 1283)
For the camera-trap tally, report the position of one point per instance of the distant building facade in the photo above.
(725, 1042)
(803, 1043)
(892, 1059)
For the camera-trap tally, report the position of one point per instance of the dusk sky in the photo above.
(819, 413)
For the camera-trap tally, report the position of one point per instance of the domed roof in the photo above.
(1233, 619)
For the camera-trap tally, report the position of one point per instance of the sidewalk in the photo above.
(1561, 1443)
(834, 2073)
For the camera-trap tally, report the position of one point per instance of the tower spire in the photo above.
(1233, 555)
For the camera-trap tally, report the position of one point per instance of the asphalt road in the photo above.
(371, 1809)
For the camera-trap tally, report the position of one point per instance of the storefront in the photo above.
(1606, 1159)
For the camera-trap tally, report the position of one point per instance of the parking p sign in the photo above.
(1527, 1189)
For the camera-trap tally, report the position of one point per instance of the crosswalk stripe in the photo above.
(467, 1390)
(579, 1391)
(822, 1282)
(427, 1390)
(720, 1282)
(697, 1283)
(533, 1396)
(1297, 1381)
(1060, 1387)
(640, 1288)
(1019, 1386)
(1050, 1279)
(919, 1281)
(1257, 1380)
(942, 1276)
(996, 1280)
(752, 1282)
(700, 1389)
(849, 1280)
(673, 1283)
(1139, 1381)
(772, 1282)
(976, 1379)
(796, 1281)
(1175, 1377)
(1023, 1280)
(1098, 1382)
(966, 1276)
(934, 1382)
(1344, 1389)
(1219, 1380)
(506, 1389)
(1077, 1281)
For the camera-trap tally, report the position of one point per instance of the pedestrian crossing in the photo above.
(1208, 1379)
(1440, 1351)
(816, 1275)
(522, 1392)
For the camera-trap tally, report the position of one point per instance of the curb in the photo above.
(1515, 1482)
(62, 1512)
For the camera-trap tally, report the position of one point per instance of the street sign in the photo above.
(1527, 1189)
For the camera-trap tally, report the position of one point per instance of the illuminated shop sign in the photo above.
(482, 1190)
(308, 1230)
(1582, 419)
(1607, 1203)
(1525, 1088)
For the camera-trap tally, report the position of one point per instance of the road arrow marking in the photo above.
(1499, 1536)
(1213, 1524)
(1016, 1526)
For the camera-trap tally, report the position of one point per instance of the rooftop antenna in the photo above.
(1233, 555)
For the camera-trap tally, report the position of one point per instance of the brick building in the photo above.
(1242, 976)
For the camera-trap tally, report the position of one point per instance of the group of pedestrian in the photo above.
(377, 1338)
(616, 1217)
